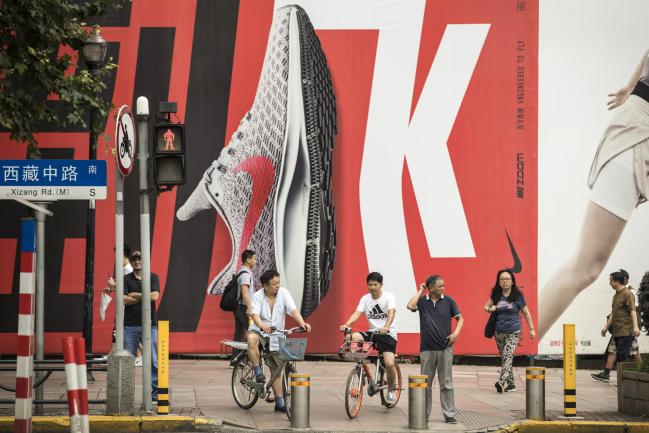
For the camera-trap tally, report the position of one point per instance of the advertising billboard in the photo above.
(336, 138)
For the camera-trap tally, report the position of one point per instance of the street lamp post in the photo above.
(94, 53)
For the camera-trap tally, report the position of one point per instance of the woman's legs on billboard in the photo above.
(600, 232)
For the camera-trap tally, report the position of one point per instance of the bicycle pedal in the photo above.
(270, 398)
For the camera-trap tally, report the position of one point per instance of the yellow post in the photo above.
(163, 367)
(569, 371)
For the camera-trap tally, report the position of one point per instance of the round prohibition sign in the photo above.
(125, 140)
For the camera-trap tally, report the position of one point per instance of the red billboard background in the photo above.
(492, 145)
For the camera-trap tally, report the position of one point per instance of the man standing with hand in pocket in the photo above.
(437, 340)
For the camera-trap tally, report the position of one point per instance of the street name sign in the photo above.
(52, 179)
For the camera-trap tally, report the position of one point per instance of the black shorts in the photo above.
(382, 342)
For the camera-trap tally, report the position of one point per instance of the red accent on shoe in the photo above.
(262, 173)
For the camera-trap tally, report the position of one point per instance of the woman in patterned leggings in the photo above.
(508, 302)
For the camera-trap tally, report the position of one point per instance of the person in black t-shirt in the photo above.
(133, 315)
(437, 339)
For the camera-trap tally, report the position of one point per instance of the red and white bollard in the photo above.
(25, 346)
(82, 382)
(71, 378)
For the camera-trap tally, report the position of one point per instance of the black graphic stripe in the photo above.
(207, 109)
(114, 17)
(152, 77)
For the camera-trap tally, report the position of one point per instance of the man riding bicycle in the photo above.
(270, 307)
(380, 308)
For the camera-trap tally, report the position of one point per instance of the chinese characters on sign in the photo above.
(30, 173)
(54, 179)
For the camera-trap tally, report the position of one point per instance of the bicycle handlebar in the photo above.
(297, 329)
(348, 331)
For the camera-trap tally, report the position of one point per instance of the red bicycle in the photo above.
(358, 351)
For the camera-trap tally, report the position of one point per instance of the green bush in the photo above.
(643, 367)
(643, 301)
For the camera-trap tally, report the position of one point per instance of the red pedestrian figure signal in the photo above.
(169, 137)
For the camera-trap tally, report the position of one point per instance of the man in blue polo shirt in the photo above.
(437, 340)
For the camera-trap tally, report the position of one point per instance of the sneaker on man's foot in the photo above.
(499, 387)
(138, 362)
(510, 388)
(390, 398)
(450, 420)
(260, 378)
(280, 409)
(600, 376)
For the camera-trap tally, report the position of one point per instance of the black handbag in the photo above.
(490, 327)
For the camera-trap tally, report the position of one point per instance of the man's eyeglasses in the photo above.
(135, 257)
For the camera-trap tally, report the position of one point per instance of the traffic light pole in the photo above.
(119, 260)
(145, 249)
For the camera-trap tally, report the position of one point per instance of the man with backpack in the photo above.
(237, 297)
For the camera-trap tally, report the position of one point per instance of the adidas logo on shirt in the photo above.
(377, 313)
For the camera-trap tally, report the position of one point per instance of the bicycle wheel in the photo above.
(397, 385)
(243, 376)
(286, 387)
(354, 393)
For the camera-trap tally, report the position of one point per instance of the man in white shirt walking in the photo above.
(270, 307)
(380, 308)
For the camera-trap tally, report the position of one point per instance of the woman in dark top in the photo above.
(508, 302)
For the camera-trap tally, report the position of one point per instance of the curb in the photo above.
(528, 426)
(123, 424)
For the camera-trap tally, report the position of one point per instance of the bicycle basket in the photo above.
(292, 349)
(355, 350)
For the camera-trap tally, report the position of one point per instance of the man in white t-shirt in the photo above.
(270, 307)
(380, 308)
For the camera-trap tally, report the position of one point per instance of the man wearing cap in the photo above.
(133, 316)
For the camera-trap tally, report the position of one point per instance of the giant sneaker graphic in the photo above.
(272, 183)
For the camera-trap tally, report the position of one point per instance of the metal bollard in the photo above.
(535, 393)
(417, 418)
(569, 371)
(300, 400)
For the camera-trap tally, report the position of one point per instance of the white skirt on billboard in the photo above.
(619, 175)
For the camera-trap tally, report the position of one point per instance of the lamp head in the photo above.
(94, 49)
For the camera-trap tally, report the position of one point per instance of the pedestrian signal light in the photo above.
(169, 154)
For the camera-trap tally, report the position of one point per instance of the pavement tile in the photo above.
(202, 387)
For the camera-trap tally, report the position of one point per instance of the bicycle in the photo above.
(246, 390)
(358, 351)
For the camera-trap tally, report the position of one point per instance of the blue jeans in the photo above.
(133, 337)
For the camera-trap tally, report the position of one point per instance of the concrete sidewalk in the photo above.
(202, 388)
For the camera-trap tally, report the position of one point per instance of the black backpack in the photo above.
(231, 296)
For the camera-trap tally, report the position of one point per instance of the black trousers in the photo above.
(240, 323)
(623, 348)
